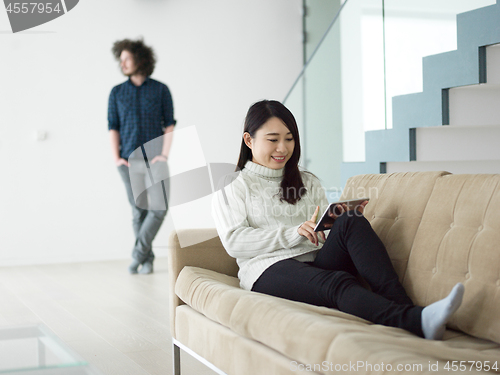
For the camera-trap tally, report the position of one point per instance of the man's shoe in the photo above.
(146, 268)
(133, 266)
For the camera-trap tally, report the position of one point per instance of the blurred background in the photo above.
(61, 197)
(370, 82)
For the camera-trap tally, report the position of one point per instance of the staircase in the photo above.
(454, 123)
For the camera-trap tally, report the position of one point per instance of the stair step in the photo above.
(478, 27)
(449, 143)
(470, 144)
(493, 64)
(477, 104)
(455, 167)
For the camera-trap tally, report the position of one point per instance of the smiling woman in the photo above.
(272, 145)
(264, 220)
(271, 139)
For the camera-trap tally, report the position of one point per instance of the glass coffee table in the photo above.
(36, 350)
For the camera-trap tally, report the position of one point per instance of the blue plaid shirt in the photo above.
(140, 114)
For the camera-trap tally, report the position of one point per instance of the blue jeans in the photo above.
(149, 208)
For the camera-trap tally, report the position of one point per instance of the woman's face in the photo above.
(272, 145)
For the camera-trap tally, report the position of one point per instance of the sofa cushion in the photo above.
(228, 351)
(413, 355)
(397, 203)
(313, 335)
(458, 240)
(440, 229)
(199, 288)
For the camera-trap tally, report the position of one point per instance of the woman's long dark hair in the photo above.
(292, 187)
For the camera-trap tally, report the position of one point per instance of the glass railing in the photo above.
(371, 52)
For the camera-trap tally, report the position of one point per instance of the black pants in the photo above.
(351, 248)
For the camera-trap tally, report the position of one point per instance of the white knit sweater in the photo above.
(259, 230)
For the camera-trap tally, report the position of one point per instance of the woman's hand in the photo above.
(337, 211)
(341, 208)
(307, 229)
(361, 207)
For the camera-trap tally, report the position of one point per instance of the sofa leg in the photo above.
(176, 352)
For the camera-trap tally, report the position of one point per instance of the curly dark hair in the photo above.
(144, 56)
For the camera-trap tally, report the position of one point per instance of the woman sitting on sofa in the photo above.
(266, 217)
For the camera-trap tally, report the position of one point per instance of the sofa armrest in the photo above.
(209, 254)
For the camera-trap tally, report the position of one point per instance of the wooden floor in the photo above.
(116, 321)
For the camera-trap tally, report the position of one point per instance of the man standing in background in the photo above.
(141, 123)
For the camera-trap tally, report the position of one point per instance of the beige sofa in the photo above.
(439, 229)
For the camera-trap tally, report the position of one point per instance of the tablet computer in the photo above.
(332, 208)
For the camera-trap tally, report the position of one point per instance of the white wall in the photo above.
(61, 199)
